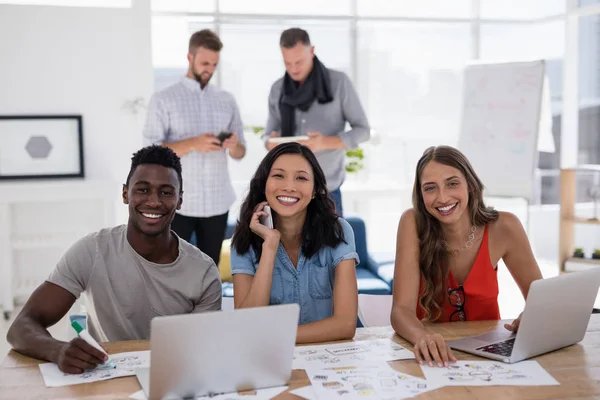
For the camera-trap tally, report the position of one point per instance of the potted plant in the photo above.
(596, 254)
(578, 253)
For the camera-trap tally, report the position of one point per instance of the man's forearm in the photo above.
(334, 143)
(31, 339)
(182, 147)
(238, 152)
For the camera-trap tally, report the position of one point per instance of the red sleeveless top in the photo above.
(480, 299)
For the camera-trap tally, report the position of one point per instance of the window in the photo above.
(589, 96)
(415, 8)
(307, 7)
(72, 3)
(170, 39)
(183, 5)
(251, 61)
(519, 9)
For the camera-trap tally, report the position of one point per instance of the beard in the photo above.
(202, 78)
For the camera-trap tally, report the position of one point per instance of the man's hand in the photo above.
(316, 142)
(206, 143)
(231, 142)
(271, 145)
(77, 356)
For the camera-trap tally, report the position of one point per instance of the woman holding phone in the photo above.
(309, 256)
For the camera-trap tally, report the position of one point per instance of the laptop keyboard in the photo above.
(502, 348)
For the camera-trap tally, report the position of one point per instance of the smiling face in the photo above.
(290, 185)
(153, 196)
(445, 192)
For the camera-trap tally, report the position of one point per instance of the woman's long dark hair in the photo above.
(321, 227)
(433, 256)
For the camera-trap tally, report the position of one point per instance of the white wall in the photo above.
(88, 61)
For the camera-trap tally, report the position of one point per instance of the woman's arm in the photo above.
(517, 255)
(429, 347)
(342, 324)
(255, 291)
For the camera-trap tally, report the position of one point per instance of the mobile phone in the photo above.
(267, 220)
(223, 136)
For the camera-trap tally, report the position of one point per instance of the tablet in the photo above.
(287, 139)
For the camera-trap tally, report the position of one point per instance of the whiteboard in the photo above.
(500, 125)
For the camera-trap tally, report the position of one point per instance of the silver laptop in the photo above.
(556, 315)
(220, 352)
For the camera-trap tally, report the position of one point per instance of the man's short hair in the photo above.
(291, 37)
(205, 38)
(158, 155)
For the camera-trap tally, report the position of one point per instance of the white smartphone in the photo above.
(267, 220)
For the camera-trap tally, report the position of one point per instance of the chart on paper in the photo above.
(378, 381)
(349, 354)
(125, 364)
(489, 373)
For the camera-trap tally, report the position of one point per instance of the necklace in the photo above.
(467, 246)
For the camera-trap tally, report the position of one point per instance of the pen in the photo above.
(85, 335)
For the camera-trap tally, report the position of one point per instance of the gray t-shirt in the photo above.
(124, 291)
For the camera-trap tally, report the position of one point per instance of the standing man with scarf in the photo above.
(312, 100)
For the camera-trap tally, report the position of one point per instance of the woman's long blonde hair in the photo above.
(434, 257)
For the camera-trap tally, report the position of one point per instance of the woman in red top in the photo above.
(447, 251)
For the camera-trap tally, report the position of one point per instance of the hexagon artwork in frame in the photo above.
(41, 147)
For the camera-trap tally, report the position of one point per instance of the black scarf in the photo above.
(316, 86)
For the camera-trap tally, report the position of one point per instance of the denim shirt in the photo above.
(311, 284)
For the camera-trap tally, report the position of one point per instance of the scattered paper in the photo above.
(378, 381)
(261, 394)
(489, 373)
(125, 365)
(139, 395)
(349, 354)
(306, 392)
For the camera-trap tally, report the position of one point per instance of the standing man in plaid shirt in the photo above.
(188, 117)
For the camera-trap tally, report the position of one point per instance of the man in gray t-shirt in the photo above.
(128, 274)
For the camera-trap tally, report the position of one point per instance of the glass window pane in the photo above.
(308, 7)
(585, 3)
(170, 38)
(415, 8)
(589, 90)
(519, 9)
(72, 3)
(184, 5)
(412, 97)
(251, 59)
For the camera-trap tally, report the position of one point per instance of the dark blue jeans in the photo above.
(336, 196)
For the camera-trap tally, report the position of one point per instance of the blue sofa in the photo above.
(369, 282)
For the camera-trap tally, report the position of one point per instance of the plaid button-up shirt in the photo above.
(182, 111)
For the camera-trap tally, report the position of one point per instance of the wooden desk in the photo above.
(577, 368)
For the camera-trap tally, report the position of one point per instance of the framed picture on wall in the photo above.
(41, 146)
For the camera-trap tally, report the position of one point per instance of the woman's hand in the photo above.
(515, 324)
(432, 348)
(270, 236)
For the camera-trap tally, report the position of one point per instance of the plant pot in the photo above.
(578, 254)
(596, 256)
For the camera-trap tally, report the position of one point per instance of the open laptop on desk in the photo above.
(556, 315)
(219, 352)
